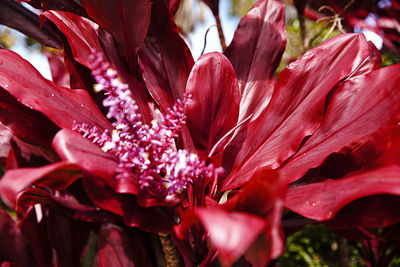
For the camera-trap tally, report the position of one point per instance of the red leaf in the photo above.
(127, 20)
(25, 123)
(61, 105)
(20, 18)
(321, 201)
(154, 219)
(57, 176)
(214, 106)
(254, 61)
(165, 60)
(13, 245)
(296, 108)
(58, 69)
(231, 233)
(74, 148)
(369, 212)
(81, 33)
(360, 106)
(120, 248)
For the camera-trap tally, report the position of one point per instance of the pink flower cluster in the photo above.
(146, 153)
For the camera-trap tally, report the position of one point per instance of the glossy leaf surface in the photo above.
(74, 148)
(81, 33)
(214, 105)
(321, 201)
(60, 104)
(255, 53)
(231, 233)
(127, 20)
(359, 107)
(22, 120)
(20, 18)
(57, 176)
(164, 59)
(296, 108)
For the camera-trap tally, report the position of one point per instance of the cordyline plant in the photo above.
(147, 158)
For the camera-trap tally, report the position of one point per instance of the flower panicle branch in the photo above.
(146, 153)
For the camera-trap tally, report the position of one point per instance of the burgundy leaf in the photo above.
(121, 248)
(13, 246)
(321, 201)
(369, 212)
(359, 107)
(231, 233)
(296, 108)
(76, 149)
(125, 205)
(214, 105)
(18, 17)
(165, 60)
(35, 232)
(67, 237)
(57, 176)
(73, 6)
(58, 70)
(22, 120)
(81, 33)
(173, 6)
(127, 20)
(255, 53)
(263, 196)
(61, 105)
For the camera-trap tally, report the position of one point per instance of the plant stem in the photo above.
(220, 31)
(169, 249)
(344, 253)
(300, 6)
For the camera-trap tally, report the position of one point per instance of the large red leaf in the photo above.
(74, 148)
(321, 201)
(150, 219)
(127, 20)
(214, 105)
(20, 18)
(121, 248)
(263, 196)
(360, 106)
(61, 105)
(57, 176)
(165, 60)
(255, 53)
(231, 233)
(25, 123)
(13, 246)
(296, 108)
(81, 33)
(58, 69)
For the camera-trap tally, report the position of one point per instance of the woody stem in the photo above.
(169, 249)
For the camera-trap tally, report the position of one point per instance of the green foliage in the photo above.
(389, 58)
(316, 246)
(315, 32)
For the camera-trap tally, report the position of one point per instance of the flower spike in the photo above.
(146, 153)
